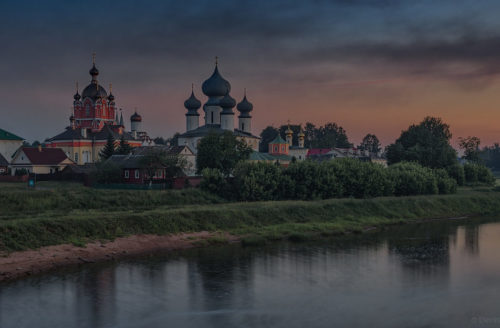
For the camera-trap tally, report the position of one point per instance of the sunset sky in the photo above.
(370, 66)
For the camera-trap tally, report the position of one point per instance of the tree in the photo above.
(158, 159)
(371, 143)
(124, 148)
(160, 141)
(173, 141)
(222, 152)
(109, 148)
(266, 136)
(427, 143)
(470, 146)
(330, 135)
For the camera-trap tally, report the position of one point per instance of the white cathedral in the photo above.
(219, 114)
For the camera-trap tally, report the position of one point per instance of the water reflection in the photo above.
(439, 273)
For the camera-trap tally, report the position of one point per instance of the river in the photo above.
(434, 274)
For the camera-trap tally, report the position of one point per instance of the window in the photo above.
(212, 115)
(137, 174)
(126, 174)
(282, 148)
(87, 109)
(275, 148)
(242, 126)
(76, 157)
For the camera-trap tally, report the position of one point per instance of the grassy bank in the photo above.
(32, 219)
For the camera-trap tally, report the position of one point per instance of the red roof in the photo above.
(44, 156)
(318, 151)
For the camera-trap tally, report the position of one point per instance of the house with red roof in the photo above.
(39, 160)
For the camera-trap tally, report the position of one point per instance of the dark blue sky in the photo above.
(371, 66)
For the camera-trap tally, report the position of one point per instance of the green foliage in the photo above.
(326, 136)
(412, 179)
(214, 182)
(371, 143)
(109, 149)
(307, 180)
(124, 148)
(256, 181)
(221, 152)
(158, 159)
(445, 183)
(478, 174)
(470, 146)
(490, 156)
(266, 136)
(108, 172)
(427, 143)
(456, 171)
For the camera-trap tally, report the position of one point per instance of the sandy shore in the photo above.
(25, 263)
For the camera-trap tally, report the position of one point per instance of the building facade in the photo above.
(95, 118)
(218, 114)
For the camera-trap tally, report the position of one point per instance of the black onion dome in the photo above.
(227, 101)
(245, 106)
(192, 103)
(216, 85)
(92, 92)
(94, 71)
(77, 96)
(111, 97)
(135, 117)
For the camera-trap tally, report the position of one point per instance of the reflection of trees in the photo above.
(219, 279)
(472, 239)
(95, 297)
(424, 249)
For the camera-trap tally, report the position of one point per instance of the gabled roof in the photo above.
(126, 161)
(6, 135)
(3, 161)
(278, 140)
(44, 156)
(318, 151)
(76, 134)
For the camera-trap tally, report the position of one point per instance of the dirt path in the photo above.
(24, 263)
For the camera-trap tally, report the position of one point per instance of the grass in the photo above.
(54, 215)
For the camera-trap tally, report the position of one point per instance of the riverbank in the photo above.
(26, 263)
(28, 228)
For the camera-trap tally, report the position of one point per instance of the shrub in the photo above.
(214, 182)
(257, 181)
(478, 174)
(412, 179)
(445, 183)
(456, 171)
(108, 172)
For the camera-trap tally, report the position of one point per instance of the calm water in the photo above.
(440, 274)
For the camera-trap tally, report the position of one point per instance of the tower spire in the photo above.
(93, 58)
(216, 60)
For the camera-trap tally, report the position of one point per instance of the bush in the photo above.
(214, 182)
(257, 181)
(478, 174)
(412, 179)
(108, 172)
(445, 183)
(456, 171)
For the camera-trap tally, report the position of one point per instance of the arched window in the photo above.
(87, 109)
(212, 116)
(243, 126)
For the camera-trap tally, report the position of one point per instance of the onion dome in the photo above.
(136, 117)
(216, 85)
(77, 96)
(94, 72)
(245, 107)
(301, 133)
(94, 91)
(72, 118)
(192, 104)
(289, 130)
(111, 98)
(227, 102)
